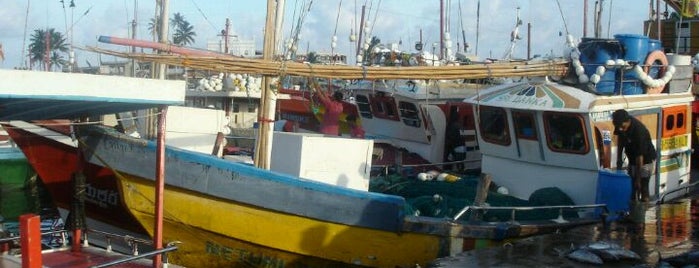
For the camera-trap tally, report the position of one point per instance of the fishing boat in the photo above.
(564, 129)
(65, 95)
(227, 213)
(52, 153)
(412, 122)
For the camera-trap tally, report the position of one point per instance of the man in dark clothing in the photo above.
(635, 141)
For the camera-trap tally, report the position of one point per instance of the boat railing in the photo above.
(170, 247)
(130, 240)
(133, 242)
(514, 210)
(401, 166)
(687, 189)
(14, 238)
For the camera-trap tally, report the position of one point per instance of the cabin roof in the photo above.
(551, 96)
(420, 89)
(32, 95)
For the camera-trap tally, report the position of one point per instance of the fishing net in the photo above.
(442, 199)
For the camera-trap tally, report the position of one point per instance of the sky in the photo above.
(392, 21)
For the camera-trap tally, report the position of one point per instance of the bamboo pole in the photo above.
(270, 67)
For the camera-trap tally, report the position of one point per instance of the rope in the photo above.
(69, 123)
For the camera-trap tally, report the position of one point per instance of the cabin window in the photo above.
(493, 125)
(408, 111)
(674, 121)
(197, 102)
(214, 104)
(363, 105)
(384, 106)
(565, 132)
(524, 125)
(236, 107)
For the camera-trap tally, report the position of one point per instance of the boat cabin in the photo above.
(426, 118)
(534, 135)
(411, 122)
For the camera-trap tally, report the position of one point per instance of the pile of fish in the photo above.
(688, 259)
(600, 252)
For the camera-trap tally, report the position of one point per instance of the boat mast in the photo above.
(585, 18)
(598, 18)
(514, 36)
(133, 36)
(478, 23)
(263, 149)
(657, 20)
(359, 58)
(441, 29)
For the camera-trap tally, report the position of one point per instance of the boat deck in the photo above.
(88, 257)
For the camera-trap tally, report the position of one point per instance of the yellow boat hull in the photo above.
(219, 233)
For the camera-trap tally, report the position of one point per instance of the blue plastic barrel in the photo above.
(613, 189)
(595, 52)
(654, 44)
(632, 87)
(607, 84)
(635, 46)
(630, 84)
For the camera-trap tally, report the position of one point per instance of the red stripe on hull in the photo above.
(55, 163)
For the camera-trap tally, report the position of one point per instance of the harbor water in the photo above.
(665, 231)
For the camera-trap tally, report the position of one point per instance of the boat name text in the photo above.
(601, 116)
(674, 143)
(528, 100)
(102, 197)
(243, 256)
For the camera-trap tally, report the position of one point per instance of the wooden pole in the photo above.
(585, 18)
(657, 21)
(266, 118)
(441, 29)
(481, 193)
(529, 40)
(160, 187)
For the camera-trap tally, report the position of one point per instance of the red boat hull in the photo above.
(56, 162)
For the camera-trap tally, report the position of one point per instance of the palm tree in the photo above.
(38, 48)
(184, 34)
(312, 57)
(154, 27)
(177, 20)
(184, 31)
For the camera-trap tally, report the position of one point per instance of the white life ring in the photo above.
(654, 56)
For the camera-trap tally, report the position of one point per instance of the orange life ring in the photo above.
(652, 57)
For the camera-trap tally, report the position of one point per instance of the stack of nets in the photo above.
(443, 199)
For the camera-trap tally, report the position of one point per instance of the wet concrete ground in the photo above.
(667, 230)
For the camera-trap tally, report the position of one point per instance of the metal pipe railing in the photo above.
(514, 209)
(170, 247)
(131, 241)
(686, 188)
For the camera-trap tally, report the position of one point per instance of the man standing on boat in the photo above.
(635, 141)
(333, 109)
